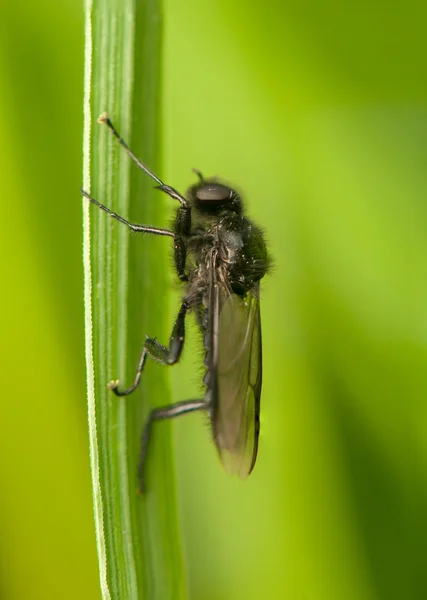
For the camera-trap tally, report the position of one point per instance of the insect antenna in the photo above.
(199, 175)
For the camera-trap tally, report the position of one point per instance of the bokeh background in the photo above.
(318, 112)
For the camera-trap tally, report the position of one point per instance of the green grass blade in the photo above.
(138, 544)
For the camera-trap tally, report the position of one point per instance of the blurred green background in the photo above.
(318, 113)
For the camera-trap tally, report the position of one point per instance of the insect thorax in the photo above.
(239, 249)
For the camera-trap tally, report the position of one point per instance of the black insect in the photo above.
(220, 256)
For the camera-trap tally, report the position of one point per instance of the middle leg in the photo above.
(165, 355)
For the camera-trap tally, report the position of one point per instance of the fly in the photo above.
(220, 257)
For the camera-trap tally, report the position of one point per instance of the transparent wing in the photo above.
(238, 381)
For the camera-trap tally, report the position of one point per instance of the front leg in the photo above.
(132, 226)
(166, 356)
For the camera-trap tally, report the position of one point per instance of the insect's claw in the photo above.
(113, 385)
(104, 118)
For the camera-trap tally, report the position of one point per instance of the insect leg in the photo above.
(157, 414)
(182, 231)
(132, 226)
(105, 119)
(183, 217)
(166, 356)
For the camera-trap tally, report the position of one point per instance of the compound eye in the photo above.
(214, 192)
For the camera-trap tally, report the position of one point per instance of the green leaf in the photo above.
(125, 278)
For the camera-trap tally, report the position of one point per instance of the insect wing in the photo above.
(239, 374)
